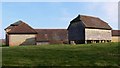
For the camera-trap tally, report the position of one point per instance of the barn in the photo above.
(115, 35)
(20, 33)
(88, 29)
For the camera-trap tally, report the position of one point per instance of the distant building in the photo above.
(115, 35)
(87, 29)
(20, 33)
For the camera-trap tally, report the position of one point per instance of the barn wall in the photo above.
(76, 31)
(56, 42)
(42, 43)
(22, 39)
(115, 38)
(97, 34)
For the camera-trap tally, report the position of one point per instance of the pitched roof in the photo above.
(51, 34)
(92, 22)
(14, 24)
(20, 28)
(115, 32)
(17, 23)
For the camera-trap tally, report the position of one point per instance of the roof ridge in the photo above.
(89, 16)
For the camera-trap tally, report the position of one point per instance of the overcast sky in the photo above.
(56, 14)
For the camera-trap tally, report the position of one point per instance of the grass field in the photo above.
(105, 54)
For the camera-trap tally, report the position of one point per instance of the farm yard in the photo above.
(97, 54)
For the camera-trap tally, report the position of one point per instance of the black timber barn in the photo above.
(87, 29)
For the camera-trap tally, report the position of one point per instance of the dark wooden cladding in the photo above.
(76, 32)
(7, 40)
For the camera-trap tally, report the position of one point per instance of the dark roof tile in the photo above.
(20, 28)
(92, 22)
(51, 34)
(115, 32)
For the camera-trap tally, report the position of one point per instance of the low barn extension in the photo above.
(51, 36)
(87, 29)
(115, 35)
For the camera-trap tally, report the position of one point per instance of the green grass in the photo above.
(105, 54)
(2, 45)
